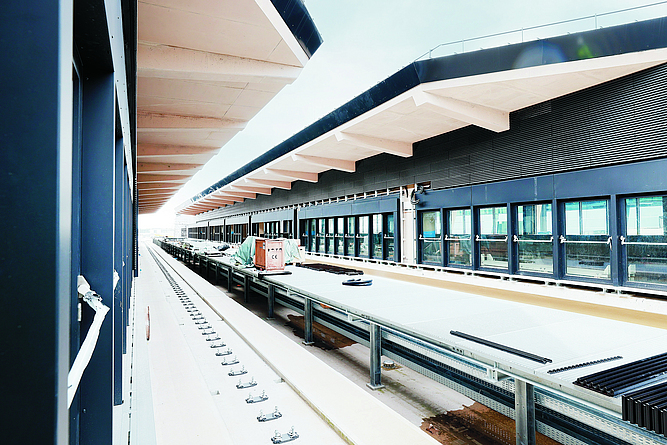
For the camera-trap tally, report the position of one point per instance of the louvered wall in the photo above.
(618, 122)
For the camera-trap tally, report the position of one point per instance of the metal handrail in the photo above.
(564, 240)
(639, 243)
(517, 240)
(479, 239)
(447, 238)
(421, 238)
(462, 42)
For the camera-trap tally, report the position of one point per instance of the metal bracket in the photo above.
(227, 351)
(241, 371)
(207, 332)
(204, 325)
(272, 416)
(233, 361)
(218, 345)
(249, 384)
(199, 317)
(285, 437)
(213, 338)
(256, 399)
(201, 322)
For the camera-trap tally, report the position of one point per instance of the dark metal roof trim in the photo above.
(298, 20)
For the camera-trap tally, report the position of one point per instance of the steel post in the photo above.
(246, 288)
(308, 322)
(272, 299)
(524, 412)
(376, 353)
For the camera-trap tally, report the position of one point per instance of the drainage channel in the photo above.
(255, 404)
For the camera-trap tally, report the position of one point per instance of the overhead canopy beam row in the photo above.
(436, 96)
(204, 70)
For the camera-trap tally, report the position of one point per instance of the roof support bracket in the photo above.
(398, 148)
(337, 164)
(480, 115)
(292, 174)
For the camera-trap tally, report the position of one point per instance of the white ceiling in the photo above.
(204, 69)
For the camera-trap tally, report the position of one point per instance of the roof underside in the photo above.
(204, 69)
(436, 96)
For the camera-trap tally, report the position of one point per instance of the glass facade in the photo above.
(321, 232)
(493, 237)
(430, 237)
(363, 236)
(377, 236)
(340, 236)
(459, 237)
(389, 238)
(535, 238)
(645, 240)
(313, 231)
(330, 235)
(587, 241)
(349, 237)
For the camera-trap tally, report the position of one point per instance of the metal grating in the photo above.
(612, 382)
(647, 408)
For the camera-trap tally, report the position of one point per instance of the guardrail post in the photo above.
(376, 353)
(246, 288)
(272, 299)
(524, 412)
(230, 278)
(308, 322)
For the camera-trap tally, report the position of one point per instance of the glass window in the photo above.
(321, 232)
(587, 241)
(389, 238)
(363, 235)
(493, 237)
(303, 226)
(330, 235)
(313, 231)
(459, 242)
(430, 237)
(340, 236)
(377, 236)
(645, 241)
(534, 239)
(349, 237)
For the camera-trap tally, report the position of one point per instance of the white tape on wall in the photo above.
(88, 346)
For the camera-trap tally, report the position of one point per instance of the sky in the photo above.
(366, 41)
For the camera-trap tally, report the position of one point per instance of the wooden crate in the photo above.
(269, 254)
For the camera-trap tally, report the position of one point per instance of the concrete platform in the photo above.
(194, 398)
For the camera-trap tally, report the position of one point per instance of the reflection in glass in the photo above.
(459, 230)
(349, 236)
(377, 236)
(430, 237)
(535, 241)
(340, 236)
(389, 238)
(321, 223)
(330, 235)
(646, 239)
(363, 236)
(587, 249)
(493, 237)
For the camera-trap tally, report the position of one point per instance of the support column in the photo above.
(308, 322)
(246, 288)
(230, 279)
(118, 306)
(272, 299)
(97, 254)
(524, 412)
(376, 353)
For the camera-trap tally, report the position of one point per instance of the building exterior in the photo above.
(541, 160)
